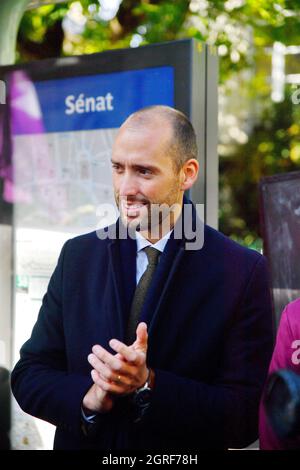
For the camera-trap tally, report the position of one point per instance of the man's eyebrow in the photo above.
(135, 165)
(145, 166)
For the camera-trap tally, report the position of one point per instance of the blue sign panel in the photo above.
(91, 102)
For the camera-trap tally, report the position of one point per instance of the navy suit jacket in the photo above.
(210, 341)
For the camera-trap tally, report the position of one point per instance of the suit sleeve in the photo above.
(40, 381)
(226, 411)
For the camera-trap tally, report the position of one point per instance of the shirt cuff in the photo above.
(89, 419)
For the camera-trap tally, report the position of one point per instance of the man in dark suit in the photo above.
(145, 341)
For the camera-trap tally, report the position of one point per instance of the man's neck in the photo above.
(161, 234)
(160, 231)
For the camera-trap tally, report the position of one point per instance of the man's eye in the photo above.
(116, 167)
(144, 171)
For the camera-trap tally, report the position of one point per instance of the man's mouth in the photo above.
(133, 208)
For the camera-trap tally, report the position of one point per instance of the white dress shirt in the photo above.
(141, 257)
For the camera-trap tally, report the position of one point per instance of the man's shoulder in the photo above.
(97, 239)
(102, 235)
(89, 237)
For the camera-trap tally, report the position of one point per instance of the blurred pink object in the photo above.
(285, 356)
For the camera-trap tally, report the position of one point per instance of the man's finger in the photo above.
(124, 350)
(108, 372)
(106, 386)
(141, 341)
(109, 359)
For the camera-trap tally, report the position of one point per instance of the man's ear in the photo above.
(190, 171)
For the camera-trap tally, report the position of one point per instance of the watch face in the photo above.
(143, 397)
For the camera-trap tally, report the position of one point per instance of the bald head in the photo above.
(181, 144)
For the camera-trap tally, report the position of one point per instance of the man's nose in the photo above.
(128, 186)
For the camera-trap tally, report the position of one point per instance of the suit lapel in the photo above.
(167, 267)
(128, 250)
(122, 259)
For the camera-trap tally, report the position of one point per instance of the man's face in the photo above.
(144, 173)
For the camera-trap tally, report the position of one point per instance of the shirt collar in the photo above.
(142, 242)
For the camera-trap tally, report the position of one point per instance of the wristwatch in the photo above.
(142, 398)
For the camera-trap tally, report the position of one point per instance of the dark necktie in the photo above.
(140, 293)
